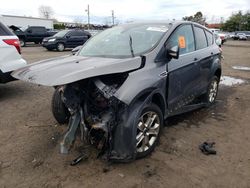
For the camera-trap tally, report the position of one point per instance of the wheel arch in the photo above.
(216, 68)
(124, 149)
(158, 99)
(61, 42)
(151, 95)
(218, 73)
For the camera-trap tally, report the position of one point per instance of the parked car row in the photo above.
(240, 36)
(51, 39)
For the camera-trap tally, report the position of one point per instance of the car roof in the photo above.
(173, 23)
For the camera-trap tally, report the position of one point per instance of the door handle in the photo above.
(195, 59)
(212, 53)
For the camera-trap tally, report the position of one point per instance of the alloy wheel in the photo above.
(148, 129)
(60, 47)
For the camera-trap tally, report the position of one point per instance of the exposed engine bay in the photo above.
(93, 110)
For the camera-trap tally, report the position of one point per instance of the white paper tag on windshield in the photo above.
(159, 29)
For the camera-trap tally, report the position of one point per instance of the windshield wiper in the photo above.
(131, 47)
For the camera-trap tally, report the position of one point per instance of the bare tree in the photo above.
(198, 17)
(46, 12)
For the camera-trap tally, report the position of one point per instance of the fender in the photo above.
(215, 66)
(124, 145)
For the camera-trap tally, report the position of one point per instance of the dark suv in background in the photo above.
(31, 34)
(66, 39)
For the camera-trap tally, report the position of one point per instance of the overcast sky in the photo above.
(100, 10)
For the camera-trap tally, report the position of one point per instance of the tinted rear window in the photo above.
(209, 38)
(201, 41)
(76, 33)
(4, 31)
(37, 29)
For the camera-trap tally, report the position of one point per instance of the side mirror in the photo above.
(29, 31)
(173, 52)
(67, 36)
(75, 50)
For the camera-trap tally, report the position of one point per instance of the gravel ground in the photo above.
(30, 137)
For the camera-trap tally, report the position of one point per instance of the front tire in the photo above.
(149, 125)
(59, 111)
(60, 47)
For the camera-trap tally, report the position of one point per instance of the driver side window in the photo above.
(184, 38)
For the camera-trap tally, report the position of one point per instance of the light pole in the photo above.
(87, 10)
(113, 17)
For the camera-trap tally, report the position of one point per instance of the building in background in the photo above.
(22, 21)
(214, 25)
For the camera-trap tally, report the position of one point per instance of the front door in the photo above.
(184, 72)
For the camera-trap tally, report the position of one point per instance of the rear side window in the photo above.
(209, 38)
(184, 38)
(200, 38)
(78, 33)
(37, 30)
(4, 31)
(73, 33)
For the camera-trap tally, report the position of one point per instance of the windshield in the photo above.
(61, 33)
(124, 41)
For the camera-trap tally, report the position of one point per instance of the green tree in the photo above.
(237, 22)
(198, 17)
(59, 26)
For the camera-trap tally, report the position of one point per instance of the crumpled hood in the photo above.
(64, 70)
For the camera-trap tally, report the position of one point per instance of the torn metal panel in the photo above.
(74, 68)
(94, 110)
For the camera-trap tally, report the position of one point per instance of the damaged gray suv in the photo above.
(118, 89)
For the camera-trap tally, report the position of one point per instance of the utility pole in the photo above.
(87, 10)
(113, 17)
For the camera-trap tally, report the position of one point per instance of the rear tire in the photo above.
(60, 112)
(212, 91)
(22, 42)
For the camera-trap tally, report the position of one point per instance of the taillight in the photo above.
(14, 42)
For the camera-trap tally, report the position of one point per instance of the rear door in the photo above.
(204, 54)
(75, 38)
(35, 34)
(85, 37)
(184, 72)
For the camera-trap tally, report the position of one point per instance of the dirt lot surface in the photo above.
(30, 137)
